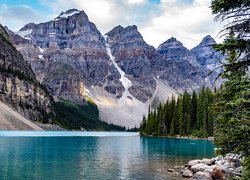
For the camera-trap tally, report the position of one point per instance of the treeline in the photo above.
(78, 117)
(183, 115)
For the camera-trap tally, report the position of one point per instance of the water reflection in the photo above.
(96, 157)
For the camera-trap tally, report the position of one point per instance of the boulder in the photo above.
(229, 166)
(201, 176)
(199, 167)
(218, 174)
(213, 160)
(238, 171)
(210, 169)
(218, 158)
(194, 162)
(230, 157)
(170, 170)
(187, 173)
(206, 161)
(219, 162)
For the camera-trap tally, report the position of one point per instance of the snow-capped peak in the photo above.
(67, 14)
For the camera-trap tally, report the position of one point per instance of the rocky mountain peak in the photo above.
(72, 12)
(170, 43)
(206, 54)
(28, 27)
(121, 32)
(208, 40)
(172, 49)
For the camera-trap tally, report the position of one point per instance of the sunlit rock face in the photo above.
(18, 85)
(76, 49)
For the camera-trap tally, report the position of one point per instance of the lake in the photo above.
(94, 155)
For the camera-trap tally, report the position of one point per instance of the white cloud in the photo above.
(16, 17)
(136, 1)
(189, 23)
(187, 20)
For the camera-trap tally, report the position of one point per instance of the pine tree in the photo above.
(200, 109)
(233, 107)
(180, 116)
(186, 113)
(193, 115)
(173, 114)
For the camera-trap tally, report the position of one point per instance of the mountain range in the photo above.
(118, 71)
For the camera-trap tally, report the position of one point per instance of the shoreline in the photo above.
(182, 137)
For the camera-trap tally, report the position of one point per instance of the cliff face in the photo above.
(18, 85)
(178, 66)
(72, 40)
(133, 55)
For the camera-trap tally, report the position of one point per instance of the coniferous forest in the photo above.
(187, 114)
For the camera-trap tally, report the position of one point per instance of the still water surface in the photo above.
(94, 155)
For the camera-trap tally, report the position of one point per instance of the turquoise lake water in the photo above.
(94, 155)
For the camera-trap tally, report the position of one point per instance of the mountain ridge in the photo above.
(75, 42)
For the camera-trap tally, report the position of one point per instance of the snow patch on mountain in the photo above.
(67, 14)
(124, 80)
(25, 34)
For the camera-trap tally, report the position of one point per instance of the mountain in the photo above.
(206, 55)
(176, 65)
(119, 71)
(73, 44)
(133, 55)
(19, 88)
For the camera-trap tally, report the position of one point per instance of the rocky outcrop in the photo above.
(216, 168)
(18, 85)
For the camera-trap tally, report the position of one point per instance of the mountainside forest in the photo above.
(183, 115)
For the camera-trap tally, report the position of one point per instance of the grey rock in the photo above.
(170, 170)
(201, 176)
(194, 162)
(187, 173)
(238, 171)
(198, 167)
(210, 169)
(218, 158)
(206, 161)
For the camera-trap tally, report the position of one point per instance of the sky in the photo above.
(157, 20)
